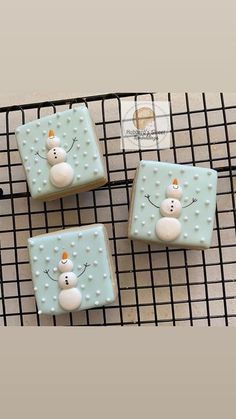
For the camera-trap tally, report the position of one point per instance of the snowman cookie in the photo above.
(173, 205)
(61, 155)
(72, 270)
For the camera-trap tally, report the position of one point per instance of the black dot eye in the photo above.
(66, 277)
(55, 157)
(171, 210)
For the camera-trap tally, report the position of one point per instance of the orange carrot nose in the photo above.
(51, 133)
(175, 181)
(65, 255)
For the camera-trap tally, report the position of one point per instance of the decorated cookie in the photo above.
(173, 205)
(72, 270)
(61, 154)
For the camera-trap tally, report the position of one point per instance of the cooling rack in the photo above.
(157, 286)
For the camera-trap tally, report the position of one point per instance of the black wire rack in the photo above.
(157, 286)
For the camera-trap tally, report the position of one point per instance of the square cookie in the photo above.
(61, 155)
(173, 204)
(72, 269)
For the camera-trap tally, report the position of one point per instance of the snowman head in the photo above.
(65, 264)
(56, 155)
(174, 190)
(67, 280)
(52, 140)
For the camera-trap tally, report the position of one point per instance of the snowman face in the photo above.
(56, 155)
(174, 191)
(67, 280)
(53, 142)
(65, 265)
(170, 208)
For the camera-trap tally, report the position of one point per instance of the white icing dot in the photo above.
(149, 233)
(87, 297)
(202, 240)
(38, 124)
(81, 119)
(207, 202)
(40, 312)
(95, 171)
(209, 220)
(59, 237)
(78, 176)
(185, 235)
(23, 142)
(17, 131)
(46, 285)
(196, 227)
(85, 129)
(95, 156)
(143, 223)
(35, 289)
(185, 218)
(80, 235)
(32, 149)
(28, 169)
(45, 182)
(65, 145)
(49, 122)
(36, 160)
(142, 164)
(185, 184)
(155, 170)
(108, 300)
(26, 158)
(87, 249)
(170, 173)
(47, 258)
(36, 140)
(136, 232)
(55, 269)
(72, 244)
(86, 166)
(100, 250)
(68, 119)
(43, 300)
(31, 243)
(157, 183)
(104, 275)
(56, 249)
(37, 273)
(90, 277)
(58, 125)
(143, 205)
(210, 186)
(39, 171)
(182, 170)
(152, 217)
(197, 212)
(52, 309)
(28, 130)
(75, 129)
(58, 115)
(88, 141)
(39, 189)
(85, 153)
(157, 195)
(78, 146)
(95, 263)
(186, 199)
(82, 286)
(41, 247)
(35, 258)
(79, 267)
(141, 189)
(76, 163)
(96, 303)
(135, 217)
(64, 134)
(98, 292)
(74, 254)
(144, 178)
(44, 132)
(54, 297)
(197, 190)
(95, 233)
(196, 176)
(209, 172)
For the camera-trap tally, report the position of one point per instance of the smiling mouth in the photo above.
(63, 262)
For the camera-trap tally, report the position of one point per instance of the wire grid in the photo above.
(157, 286)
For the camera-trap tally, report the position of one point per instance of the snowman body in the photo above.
(61, 173)
(69, 297)
(168, 228)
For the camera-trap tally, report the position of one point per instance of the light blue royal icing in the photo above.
(196, 220)
(85, 156)
(85, 246)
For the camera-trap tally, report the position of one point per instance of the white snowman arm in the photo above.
(47, 272)
(37, 154)
(148, 198)
(73, 142)
(193, 200)
(85, 267)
